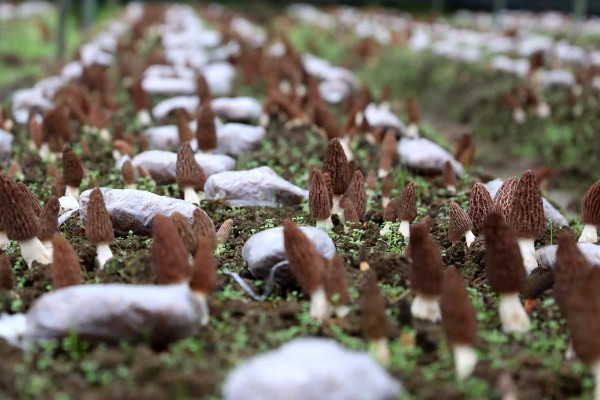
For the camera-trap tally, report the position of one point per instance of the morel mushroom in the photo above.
(390, 215)
(407, 209)
(449, 178)
(413, 118)
(363, 258)
(308, 268)
(206, 132)
(128, 175)
(460, 323)
(386, 190)
(460, 225)
(388, 153)
(73, 172)
(356, 192)
(204, 227)
(335, 165)
(204, 276)
(504, 196)
(505, 271)
(591, 214)
(187, 232)
(66, 270)
(49, 222)
(375, 322)
(336, 286)
(169, 256)
(21, 222)
(224, 231)
(526, 218)
(7, 276)
(480, 204)
(190, 176)
(319, 201)
(98, 227)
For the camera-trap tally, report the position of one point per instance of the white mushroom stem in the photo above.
(202, 299)
(103, 253)
(342, 311)
(451, 189)
(384, 201)
(130, 186)
(519, 115)
(412, 131)
(589, 234)
(345, 142)
(425, 307)
(104, 134)
(44, 151)
(364, 266)
(382, 173)
(319, 305)
(570, 352)
(405, 229)
(117, 155)
(527, 248)
(325, 223)
(190, 195)
(33, 250)
(72, 191)
(387, 229)
(263, 120)
(8, 125)
(144, 118)
(512, 314)
(543, 110)
(596, 372)
(335, 208)
(4, 241)
(465, 360)
(469, 238)
(381, 351)
(49, 247)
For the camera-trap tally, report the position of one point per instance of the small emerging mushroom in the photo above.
(363, 258)
(356, 193)
(73, 172)
(169, 256)
(336, 286)
(390, 215)
(505, 272)
(190, 176)
(98, 227)
(349, 215)
(427, 274)
(371, 182)
(449, 177)
(407, 209)
(128, 175)
(375, 322)
(308, 268)
(526, 218)
(204, 276)
(206, 132)
(460, 225)
(49, 222)
(335, 165)
(459, 320)
(591, 214)
(386, 190)
(319, 201)
(66, 270)
(413, 118)
(224, 231)
(388, 153)
(21, 222)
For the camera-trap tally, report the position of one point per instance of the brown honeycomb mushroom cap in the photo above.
(460, 222)
(427, 272)
(98, 227)
(407, 204)
(188, 172)
(318, 197)
(459, 318)
(335, 164)
(73, 170)
(526, 216)
(306, 264)
(480, 204)
(591, 205)
(20, 220)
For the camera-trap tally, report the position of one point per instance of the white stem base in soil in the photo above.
(412, 131)
(319, 305)
(190, 195)
(385, 201)
(104, 134)
(405, 229)
(263, 120)
(103, 253)
(204, 310)
(589, 234)
(144, 118)
(364, 266)
(596, 372)
(117, 155)
(381, 352)
(48, 245)
(4, 241)
(67, 203)
(519, 116)
(451, 189)
(543, 110)
(527, 248)
(427, 308)
(382, 173)
(387, 229)
(44, 151)
(342, 311)
(33, 250)
(335, 208)
(512, 314)
(465, 360)
(469, 238)
(325, 223)
(345, 142)
(8, 125)
(72, 191)
(570, 352)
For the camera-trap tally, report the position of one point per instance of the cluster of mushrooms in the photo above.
(300, 90)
